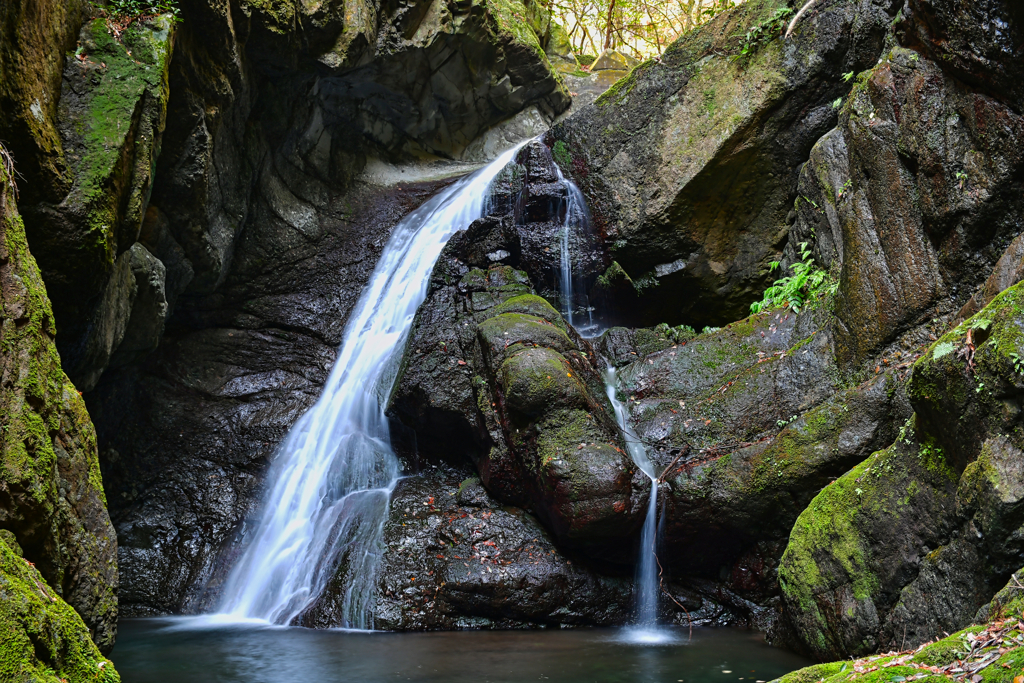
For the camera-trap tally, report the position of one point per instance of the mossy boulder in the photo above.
(860, 541)
(494, 375)
(911, 542)
(51, 494)
(989, 651)
(111, 118)
(41, 637)
(665, 153)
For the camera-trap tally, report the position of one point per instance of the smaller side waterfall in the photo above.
(575, 306)
(647, 566)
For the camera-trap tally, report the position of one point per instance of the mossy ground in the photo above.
(988, 653)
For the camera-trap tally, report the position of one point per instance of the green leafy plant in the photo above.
(793, 291)
(560, 151)
(676, 335)
(125, 12)
(838, 103)
(848, 76)
(1018, 364)
(763, 32)
(645, 282)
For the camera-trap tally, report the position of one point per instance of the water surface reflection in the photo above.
(171, 650)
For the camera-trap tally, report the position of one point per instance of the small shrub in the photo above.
(763, 32)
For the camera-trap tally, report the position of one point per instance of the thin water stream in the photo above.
(647, 584)
(647, 580)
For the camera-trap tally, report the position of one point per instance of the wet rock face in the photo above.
(455, 558)
(186, 435)
(916, 149)
(690, 165)
(981, 43)
(52, 501)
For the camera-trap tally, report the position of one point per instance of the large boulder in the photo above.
(690, 164)
(912, 199)
(911, 542)
(51, 495)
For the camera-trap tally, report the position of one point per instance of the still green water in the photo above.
(172, 650)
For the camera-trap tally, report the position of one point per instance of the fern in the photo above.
(794, 291)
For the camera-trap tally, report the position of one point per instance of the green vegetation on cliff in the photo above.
(49, 465)
(42, 639)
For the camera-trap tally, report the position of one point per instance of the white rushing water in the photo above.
(647, 581)
(330, 484)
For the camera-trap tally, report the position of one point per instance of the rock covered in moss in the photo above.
(37, 37)
(690, 164)
(51, 494)
(493, 372)
(41, 637)
(860, 541)
(911, 542)
(111, 117)
(988, 652)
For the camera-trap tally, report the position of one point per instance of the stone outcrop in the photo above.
(493, 372)
(110, 118)
(690, 165)
(936, 514)
(52, 501)
(911, 199)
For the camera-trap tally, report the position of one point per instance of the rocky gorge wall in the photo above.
(205, 200)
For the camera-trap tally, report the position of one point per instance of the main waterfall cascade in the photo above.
(331, 482)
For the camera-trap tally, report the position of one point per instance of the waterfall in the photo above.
(647, 581)
(330, 484)
(577, 220)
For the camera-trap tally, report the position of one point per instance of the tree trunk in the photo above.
(610, 27)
